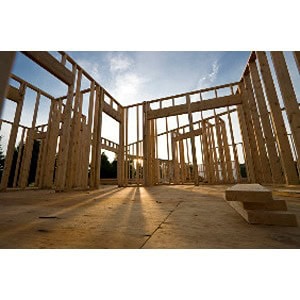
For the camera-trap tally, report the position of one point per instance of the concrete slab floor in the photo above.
(157, 217)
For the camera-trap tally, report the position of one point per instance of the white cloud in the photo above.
(127, 83)
(211, 77)
(120, 63)
(91, 67)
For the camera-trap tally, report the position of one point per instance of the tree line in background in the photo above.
(108, 169)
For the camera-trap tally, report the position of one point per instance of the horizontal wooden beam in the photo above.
(227, 85)
(74, 94)
(111, 112)
(11, 123)
(14, 94)
(36, 89)
(109, 148)
(195, 106)
(49, 63)
(187, 135)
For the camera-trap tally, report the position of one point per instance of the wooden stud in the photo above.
(277, 119)
(235, 154)
(213, 157)
(246, 145)
(126, 146)
(99, 135)
(88, 135)
(37, 179)
(43, 151)
(274, 159)
(20, 151)
(220, 148)
(26, 161)
(227, 153)
(289, 97)
(168, 147)
(62, 160)
(121, 151)
(73, 159)
(147, 146)
(12, 142)
(137, 144)
(251, 135)
(193, 146)
(182, 162)
(260, 144)
(6, 63)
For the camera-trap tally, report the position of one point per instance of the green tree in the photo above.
(105, 166)
(108, 170)
(34, 161)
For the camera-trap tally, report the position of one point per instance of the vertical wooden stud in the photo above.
(277, 119)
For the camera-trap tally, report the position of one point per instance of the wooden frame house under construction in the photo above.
(238, 132)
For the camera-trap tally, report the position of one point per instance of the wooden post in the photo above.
(89, 133)
(126, 147)
(227, 152)
(175, 158)
(168, 147)
(121, 151)
(19, 158)
(182, 162)
(151, 168)
(26, 161)
(39, 164)
(44, 149)
(246, 145)
(145, 144)
(99, 136)
(137, 144)
(214, 159)
(12, 140)
(235, 154)
(157, 163)
(289, 97)
(260, 144)
(266, 125)
(6, 63)
(96, 149)
(251, 134)
(278, 123)
(209, 162)
(205, 150)
(95, 137)
(188, 173)
(72, 166)
(220, 148)
(61, 171)
(193, 146)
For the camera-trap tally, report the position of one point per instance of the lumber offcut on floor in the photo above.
(155, 217)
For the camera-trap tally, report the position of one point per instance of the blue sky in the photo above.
(138, 76)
